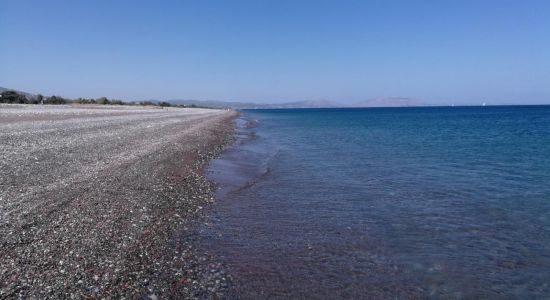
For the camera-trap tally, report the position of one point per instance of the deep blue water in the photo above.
(385, 203)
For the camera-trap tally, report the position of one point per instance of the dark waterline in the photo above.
(382, 203)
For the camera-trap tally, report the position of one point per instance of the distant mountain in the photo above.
(215, 103)
(381, 102)
(388, 102)
(251, 105)
(305, 104)
(3, 89)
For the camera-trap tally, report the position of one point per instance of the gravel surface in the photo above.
(91, 198)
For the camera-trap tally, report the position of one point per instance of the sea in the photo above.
(382, 203)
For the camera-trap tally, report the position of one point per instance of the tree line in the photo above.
(14, 97)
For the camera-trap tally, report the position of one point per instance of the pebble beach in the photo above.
(94, 198)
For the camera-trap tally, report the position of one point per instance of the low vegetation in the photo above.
(14, 97)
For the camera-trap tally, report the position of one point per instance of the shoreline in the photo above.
(91, 204)
(240, 164)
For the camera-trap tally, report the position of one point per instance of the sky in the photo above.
(439, 52)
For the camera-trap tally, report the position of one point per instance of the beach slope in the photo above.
(91, 196)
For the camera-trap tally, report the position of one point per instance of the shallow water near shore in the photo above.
(382, 203)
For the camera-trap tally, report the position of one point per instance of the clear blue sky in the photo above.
(273, 51)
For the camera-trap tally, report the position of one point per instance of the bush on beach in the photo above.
(14, 97)
(55, 100)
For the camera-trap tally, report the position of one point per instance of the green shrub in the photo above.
(13, 97)
(55, 100)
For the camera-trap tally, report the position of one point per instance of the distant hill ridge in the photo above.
(380, 102)
(2, 89)
(389, 102)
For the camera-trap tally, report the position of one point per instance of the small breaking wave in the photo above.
(244, 163)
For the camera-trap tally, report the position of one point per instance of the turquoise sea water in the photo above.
(384, 203)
